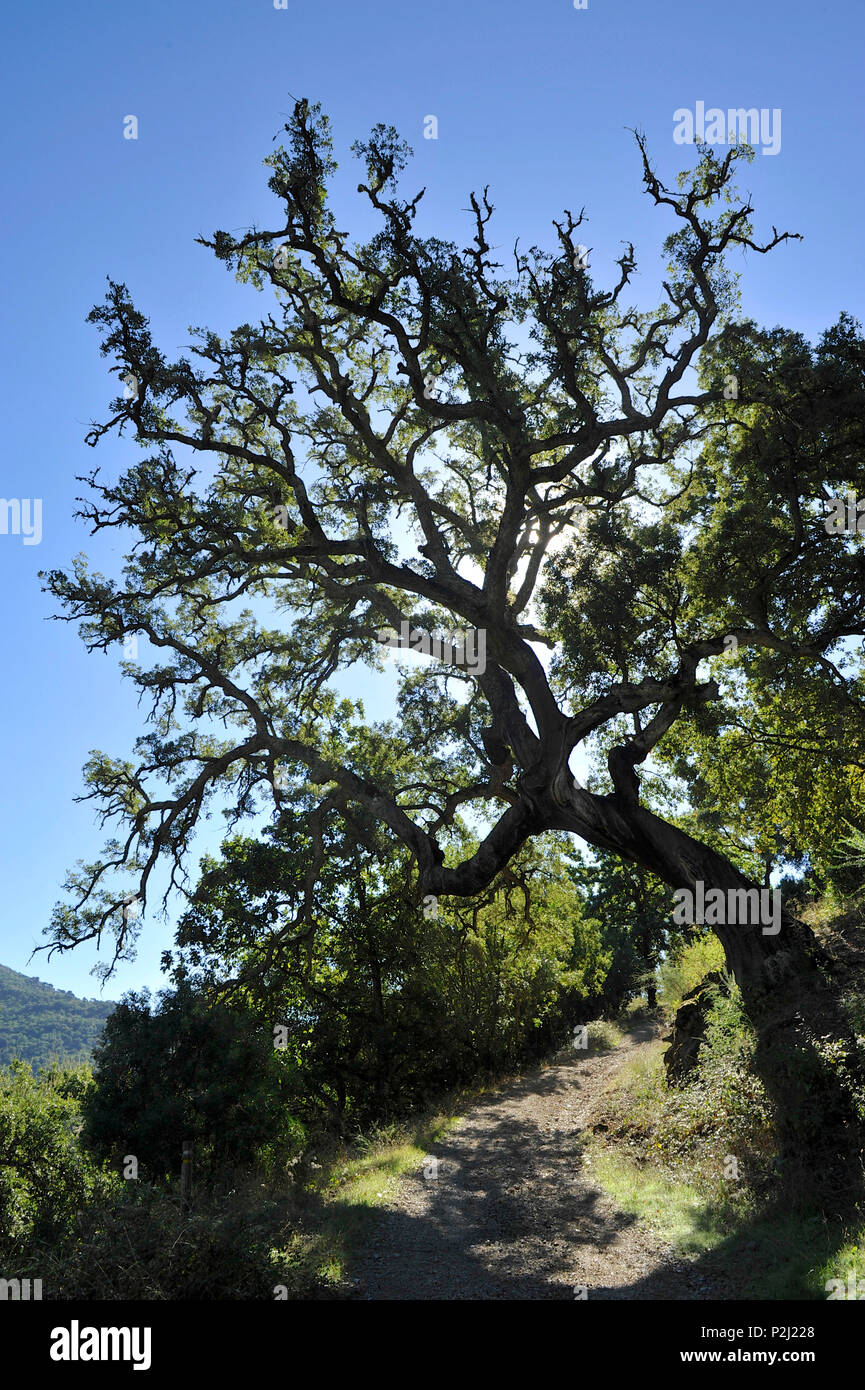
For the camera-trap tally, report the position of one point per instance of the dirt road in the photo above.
(512, 1212)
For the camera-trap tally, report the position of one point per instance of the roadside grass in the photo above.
(848, 1265)
(643, 1163)
(676, 1209)
(663, 1154)
(604, 1035)
(341, 1196)
(768, 1255)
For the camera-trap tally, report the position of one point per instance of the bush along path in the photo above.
(505, 1206)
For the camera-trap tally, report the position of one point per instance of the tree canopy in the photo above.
(628, 503)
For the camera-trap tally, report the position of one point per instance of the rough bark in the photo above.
(791, 994)
(689, 1029)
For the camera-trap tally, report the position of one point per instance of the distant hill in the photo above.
(41, 1023)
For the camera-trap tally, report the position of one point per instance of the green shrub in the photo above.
(189, 1068)
(138, 1245)
(691, 1132)
(680, 973)
(603, 1035)
(45, 1175)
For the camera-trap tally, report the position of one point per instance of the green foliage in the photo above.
(685, 967)
(547, 486)
(388, 1000)
(854, 1003)
(603, 1035)
(189, 1068)
(339, 493)
(41, 1024)
(689, 1132)
(774, 769)
(847, 869)
(634, 908)
(45, 1175)
(136, 1244)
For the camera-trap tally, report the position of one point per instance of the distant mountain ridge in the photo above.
(40, 1023)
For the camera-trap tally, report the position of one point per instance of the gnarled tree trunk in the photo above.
(807, 1054)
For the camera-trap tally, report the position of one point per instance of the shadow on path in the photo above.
(511, 1211)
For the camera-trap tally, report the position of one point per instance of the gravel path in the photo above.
(513, 1212)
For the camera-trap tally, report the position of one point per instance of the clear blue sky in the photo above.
(534, 98)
